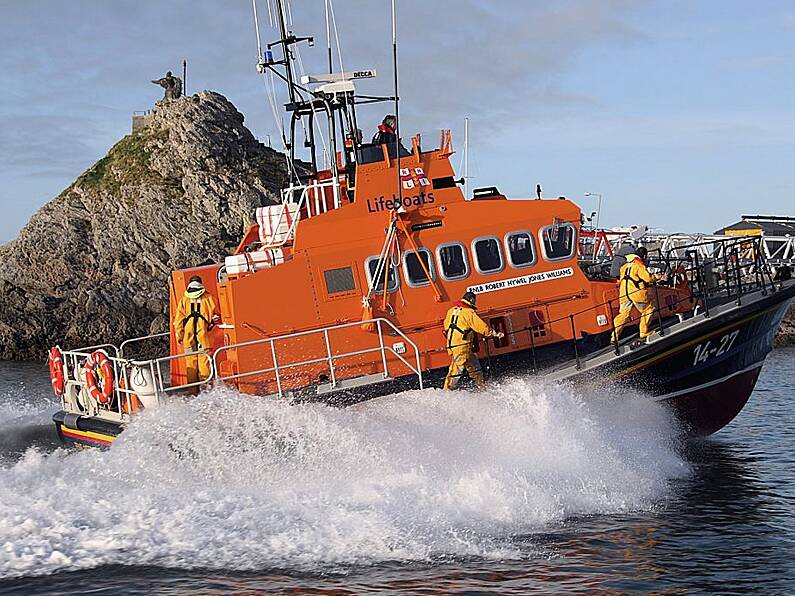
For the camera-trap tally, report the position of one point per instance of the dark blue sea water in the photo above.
(526, 488)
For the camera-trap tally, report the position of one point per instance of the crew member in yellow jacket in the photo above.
(195, 316)
(634, 281)
(460, 325)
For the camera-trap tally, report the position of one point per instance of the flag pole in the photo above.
(466, 156)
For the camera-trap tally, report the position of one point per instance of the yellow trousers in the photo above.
(197, 367)
(463, 359)
(646, 311)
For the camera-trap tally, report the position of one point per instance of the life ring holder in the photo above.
(99, 377)
(57, 378)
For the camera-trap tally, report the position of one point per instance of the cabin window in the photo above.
(415, 274)
(453, 261)
(392, 280)
(339, 280)
(520, 249)
(488, 256)
(557, 241)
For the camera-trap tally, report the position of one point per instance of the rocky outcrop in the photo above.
(786, 334)
(92, 264)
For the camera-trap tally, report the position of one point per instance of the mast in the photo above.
(397, 101)
(328, 93)
(287, 42)
(328, 39)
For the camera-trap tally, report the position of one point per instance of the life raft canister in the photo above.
(55, 362)
(98, 367)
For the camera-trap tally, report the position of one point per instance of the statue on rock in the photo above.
(172, 86)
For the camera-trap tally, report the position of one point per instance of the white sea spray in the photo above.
(228, 481)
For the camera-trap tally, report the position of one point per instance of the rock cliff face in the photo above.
(92, 264)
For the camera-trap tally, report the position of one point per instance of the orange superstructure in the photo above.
(520, 256)
(384, 235)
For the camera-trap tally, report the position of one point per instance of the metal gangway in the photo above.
(601, 245)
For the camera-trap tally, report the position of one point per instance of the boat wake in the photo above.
(25, 422)
(232, 482)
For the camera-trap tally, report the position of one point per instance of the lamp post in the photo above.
(598, 215)
(598, 206)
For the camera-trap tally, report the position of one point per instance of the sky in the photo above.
(679, 113)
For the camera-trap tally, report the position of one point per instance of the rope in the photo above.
(419, 258)
(391, 231)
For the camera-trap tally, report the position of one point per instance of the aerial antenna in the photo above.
(256, 28)
(270, 12)
(336, 34)
(289, 13)
(328, 39)
(397, 101)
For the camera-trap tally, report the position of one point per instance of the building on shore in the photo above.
(760, 225)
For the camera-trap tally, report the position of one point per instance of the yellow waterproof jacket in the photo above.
(634, 280)
(192, 319)
(460, 325)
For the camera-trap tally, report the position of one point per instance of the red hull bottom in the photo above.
(706, 410)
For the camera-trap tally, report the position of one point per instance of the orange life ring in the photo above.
(98, 365)
(56, 370)
(679, 277)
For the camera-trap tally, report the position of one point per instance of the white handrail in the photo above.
(132, 340)
(329, 357)
(288, 195)
(75, 359)
(161, 385)
(86, 351)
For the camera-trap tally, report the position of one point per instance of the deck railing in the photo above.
(121, 401)
(308, 196)
(74, 361)
(329, 357)
(737, 266)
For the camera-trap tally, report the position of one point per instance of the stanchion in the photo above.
(487, 373)
(614, 336)
(574, 340)
(738, 275)
(659, 310)
(700, 277)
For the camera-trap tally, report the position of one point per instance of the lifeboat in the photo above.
(338, 293)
